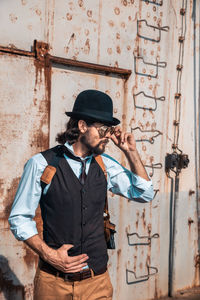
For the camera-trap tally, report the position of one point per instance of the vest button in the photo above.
(84, 223)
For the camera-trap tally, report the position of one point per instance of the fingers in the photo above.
(78, 258)
(77, 268)
(72, 262)
(66, 247)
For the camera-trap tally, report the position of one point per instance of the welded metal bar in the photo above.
(142, 277)
(16, 51)
(151, 139)
(157, 65)
(90, 66)
(160, 3)
(68, 62)
(171, 240)
(162, 98)
(157, 40)
(173, 236)
(148, 238)
(153, 166)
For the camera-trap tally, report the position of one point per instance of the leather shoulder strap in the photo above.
(52, 157)
(99, 160)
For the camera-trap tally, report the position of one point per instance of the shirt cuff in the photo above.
(25, 231)
(140, 182)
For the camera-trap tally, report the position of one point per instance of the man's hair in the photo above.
(71, 134)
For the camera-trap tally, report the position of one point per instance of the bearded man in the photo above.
(73, 253)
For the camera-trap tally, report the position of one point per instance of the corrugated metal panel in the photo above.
(116, 33)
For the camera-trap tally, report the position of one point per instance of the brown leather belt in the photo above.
(44, 266)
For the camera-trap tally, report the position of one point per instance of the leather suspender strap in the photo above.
(99, 160)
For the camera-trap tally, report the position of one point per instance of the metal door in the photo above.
(130, 50)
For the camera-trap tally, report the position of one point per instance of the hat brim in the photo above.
(91, 117)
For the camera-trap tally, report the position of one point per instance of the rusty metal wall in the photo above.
(37, 88)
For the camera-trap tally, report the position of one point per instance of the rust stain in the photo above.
(89, 13)
(24, 2)
(109, 50)
(86, 32)
(156, 289)
(118, 49)
(66, 49)
(117, 10)
(69, 16)
(13, 18)
(8, 196)
(144, 148)
(191, 192)
(30, 258)
(30, 27)
(99, 31)
(87, 47)
(118, 94)
(117, 35)
(38, 12)
(123, 25)
(111, 23)
(80, 3)
(124, 2)
(116, 64)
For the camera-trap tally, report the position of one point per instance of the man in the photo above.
(73, 255)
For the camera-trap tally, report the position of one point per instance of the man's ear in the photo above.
(82, 126)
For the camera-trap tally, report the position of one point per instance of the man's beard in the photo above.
(94, 150)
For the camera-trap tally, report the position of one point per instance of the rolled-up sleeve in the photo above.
(122, 181)
(27, 199)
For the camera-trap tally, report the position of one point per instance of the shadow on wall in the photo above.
(10, 286)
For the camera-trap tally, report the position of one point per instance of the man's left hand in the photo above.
(124, 140)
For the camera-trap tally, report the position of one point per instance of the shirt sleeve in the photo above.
(122, 181)
(27, 199)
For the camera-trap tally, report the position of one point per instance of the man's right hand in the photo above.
(62, 261)
(57, 258)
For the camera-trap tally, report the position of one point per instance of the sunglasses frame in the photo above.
(109, 129)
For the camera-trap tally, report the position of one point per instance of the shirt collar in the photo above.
(71, 149)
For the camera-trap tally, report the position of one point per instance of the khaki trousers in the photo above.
(51, 287)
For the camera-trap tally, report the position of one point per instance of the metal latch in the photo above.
(175, 162)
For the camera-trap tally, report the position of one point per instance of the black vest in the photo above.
(72, 213)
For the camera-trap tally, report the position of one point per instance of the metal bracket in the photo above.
(149, 238)
(41, 50)
(140, 278)
(157, 40)
(154, 166)
(176, 161)
(154, 2)
(151, 139)
(155, 192)
(157, 65)
(150, 97)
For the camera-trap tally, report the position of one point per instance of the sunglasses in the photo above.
(104, 130)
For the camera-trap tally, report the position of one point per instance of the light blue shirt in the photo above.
(120, 180)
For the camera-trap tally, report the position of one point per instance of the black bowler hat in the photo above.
(95, 106)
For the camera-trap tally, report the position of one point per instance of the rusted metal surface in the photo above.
(16, 51)
(97, 44)
(89, 66)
